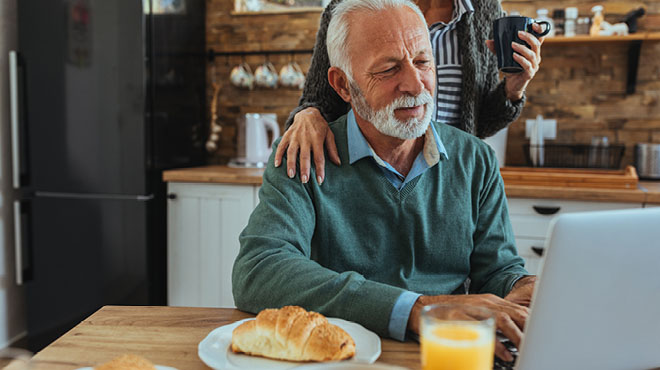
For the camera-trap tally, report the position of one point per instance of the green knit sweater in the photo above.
(350, 247)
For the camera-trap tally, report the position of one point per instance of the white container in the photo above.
(570, 25)
(498, 143)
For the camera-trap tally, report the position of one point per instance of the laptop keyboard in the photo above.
(504, 365)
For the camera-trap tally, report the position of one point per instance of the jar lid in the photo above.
(572, 12)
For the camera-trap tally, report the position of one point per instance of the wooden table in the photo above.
(165, 335)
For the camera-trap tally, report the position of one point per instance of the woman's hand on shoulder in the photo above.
(307, 135)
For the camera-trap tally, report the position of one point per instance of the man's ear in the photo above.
(339, 82)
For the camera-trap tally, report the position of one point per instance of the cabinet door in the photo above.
(531, 250)
(531, 218)
(204, 223)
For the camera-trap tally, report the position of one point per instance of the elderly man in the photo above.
(415, 209)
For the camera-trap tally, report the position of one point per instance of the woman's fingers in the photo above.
(319, 162)
(304, 163)
(281, 148)
(331, 146)
(526, 53)
(538, 29)
(291, 156)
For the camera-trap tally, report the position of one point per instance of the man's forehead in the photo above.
(389, 29)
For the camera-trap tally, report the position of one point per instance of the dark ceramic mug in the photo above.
(505, 31)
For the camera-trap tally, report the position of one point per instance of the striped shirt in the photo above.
(444, 40)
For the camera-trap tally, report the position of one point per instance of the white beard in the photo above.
(384, 120)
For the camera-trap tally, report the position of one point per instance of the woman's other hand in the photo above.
(307, 135)
(528, 58)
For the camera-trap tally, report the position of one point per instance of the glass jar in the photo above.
(583, 25)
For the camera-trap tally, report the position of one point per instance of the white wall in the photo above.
(12, 301)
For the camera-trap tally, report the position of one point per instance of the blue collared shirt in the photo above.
(359, 148)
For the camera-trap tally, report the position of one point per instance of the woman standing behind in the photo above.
(469, 96)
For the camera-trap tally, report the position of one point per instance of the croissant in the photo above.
(291, 333)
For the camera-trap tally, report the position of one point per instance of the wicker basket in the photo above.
(577, 156)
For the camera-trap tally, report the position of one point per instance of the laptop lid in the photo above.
(597, 300)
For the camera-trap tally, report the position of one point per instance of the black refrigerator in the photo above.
(105, 95)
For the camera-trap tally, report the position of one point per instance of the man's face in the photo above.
(393, 70)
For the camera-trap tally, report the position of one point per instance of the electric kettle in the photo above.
(254, 146)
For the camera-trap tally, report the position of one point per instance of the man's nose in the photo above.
(411, 81)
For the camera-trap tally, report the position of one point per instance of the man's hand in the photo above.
(522, 291)
(528, 58)
(509, 317)
(308, 133)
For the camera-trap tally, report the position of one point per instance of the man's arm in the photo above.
(274, 266)
(495, 265)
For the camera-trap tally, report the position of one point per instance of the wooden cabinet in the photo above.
(204, 222)
(531, 219)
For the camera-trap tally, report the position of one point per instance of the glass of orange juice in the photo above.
(457, 337)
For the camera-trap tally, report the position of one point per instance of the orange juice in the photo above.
(457, 346)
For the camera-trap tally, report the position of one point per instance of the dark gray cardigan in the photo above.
(485, 108)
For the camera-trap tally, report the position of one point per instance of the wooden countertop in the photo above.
(215, 174)
(652, 191)
(165, 335)
(648, 191)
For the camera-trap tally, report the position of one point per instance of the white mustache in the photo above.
(423, 98)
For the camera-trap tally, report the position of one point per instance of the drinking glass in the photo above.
(457, 337)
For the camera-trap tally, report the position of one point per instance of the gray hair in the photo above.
(336, 39)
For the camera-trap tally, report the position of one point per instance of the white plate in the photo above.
(215, 352)
(349, 366)
(158, 367)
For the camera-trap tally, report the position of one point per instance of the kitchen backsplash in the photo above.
(581, 85)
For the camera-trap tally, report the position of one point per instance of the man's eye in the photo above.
(388, 71)
(423, 62)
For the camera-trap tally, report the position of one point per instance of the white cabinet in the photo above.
(204, 222)
(530, 218)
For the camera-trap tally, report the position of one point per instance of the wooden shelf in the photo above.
(643, 36)
(282, 10)
(634, 50)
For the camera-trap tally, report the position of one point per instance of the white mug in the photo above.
(292, 76)
(241, 76)
(266, 76)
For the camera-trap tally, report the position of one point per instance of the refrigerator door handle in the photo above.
(18, 243)
(51, 194)
(13, 105)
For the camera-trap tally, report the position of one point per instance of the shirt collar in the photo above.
(460, 7)
(358, 146)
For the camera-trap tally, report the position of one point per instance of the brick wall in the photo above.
(582, 85)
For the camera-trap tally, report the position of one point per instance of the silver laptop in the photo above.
(597, 300)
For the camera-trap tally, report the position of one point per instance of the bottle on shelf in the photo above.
(541, 16)
(597, 20)
(558, 16)
(570, 24)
